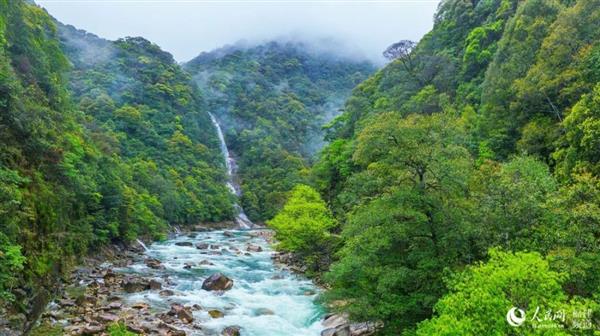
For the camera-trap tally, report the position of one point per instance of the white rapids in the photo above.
(241, 219)
(266, 300)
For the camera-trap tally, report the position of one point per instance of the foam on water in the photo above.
(265, 300)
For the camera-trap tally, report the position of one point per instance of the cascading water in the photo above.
(142, 245)
(241, 219)
(266, 300)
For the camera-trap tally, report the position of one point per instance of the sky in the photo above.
(185, 28)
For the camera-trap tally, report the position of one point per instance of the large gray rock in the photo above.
(155, 284)
(339, 325)
(183, 313)
(153, 263)
(231, 331)
(134, 285)
(217, 281)
(253, 248)
(202, 246)
(334, 320)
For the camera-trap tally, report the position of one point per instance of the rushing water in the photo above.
(266, 300)
(241, 219)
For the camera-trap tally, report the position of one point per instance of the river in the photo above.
(266, 300)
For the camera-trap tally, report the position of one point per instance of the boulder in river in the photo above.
(140, 305)
(339, 325)
(166, 292)
(134, 285)
(253, 248)
(153, 263)
(341, 330)
(231, 331)
(215, 313)
(183, 313)
(184, 243)
(202, 246)
(264, 311)
(217, 281)
(155, 284)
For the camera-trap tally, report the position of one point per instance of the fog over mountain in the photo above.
(186, 28)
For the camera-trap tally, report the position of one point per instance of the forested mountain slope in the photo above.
(115, 146)
(478, 143)
(272, 100)
(136, 93)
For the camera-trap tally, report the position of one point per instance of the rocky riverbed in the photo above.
(201, 283)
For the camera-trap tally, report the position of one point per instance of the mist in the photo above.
(187, 28)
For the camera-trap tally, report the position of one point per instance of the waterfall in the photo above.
(241, 219)
(142, 244)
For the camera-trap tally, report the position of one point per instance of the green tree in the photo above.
(575, 236)
(581, 141)
(406, 227)
(481, 296)
(511, 204)
(302, 226)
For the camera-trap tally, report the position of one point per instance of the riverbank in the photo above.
(157, 292)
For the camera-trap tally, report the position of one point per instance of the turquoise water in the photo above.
(265, 300)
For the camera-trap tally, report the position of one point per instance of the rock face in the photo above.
(217, 281)
(231, 331)
(342, 330)
(339, 325)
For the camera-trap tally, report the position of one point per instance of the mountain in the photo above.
(136, 93)
(459, 170)
(272, 100)
(102, 142)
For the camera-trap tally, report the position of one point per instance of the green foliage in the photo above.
(511, 199)
(303, 225)
(576, 211)
(581, 149)
(272, 99)
(408, 221)
(481, 296)
(119, 329)
(11, 264)
(505, 80)
(125, 153)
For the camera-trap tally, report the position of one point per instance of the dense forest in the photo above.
(273, 100)
(102, 142)
(428, 197)
(463, 178)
